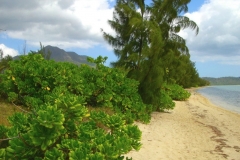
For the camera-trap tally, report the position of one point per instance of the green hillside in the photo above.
(223, 80)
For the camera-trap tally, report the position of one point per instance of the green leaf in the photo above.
(54, 154)
(2, 154)
(78, 154)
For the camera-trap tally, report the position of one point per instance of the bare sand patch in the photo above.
(195, 130)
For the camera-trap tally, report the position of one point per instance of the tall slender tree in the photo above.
(1, 54)
(46, 54)
(4, 61)
(147, 43)
(168, 15)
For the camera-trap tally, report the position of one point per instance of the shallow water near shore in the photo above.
(227, 96)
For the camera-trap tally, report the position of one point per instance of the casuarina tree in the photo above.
(147, 41)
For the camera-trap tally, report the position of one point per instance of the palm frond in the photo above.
(184, 22)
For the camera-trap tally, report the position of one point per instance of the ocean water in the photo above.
(227, 96)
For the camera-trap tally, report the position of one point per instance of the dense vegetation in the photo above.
(149, 48)
(4, 61)
(223, 80)
(65, 117)
(73, 111)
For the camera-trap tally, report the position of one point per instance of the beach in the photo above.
(195, 130)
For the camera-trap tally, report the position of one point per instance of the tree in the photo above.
(168, 14)
(129, 35)
(136, 44)
(1, 54)
(25, 47)
(147, 43)
(4, 61)
(45, 54)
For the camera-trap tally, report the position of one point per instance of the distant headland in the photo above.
(223, 80)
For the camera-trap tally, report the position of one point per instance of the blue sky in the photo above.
(74, 25)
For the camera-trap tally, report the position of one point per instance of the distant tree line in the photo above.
(223, 80)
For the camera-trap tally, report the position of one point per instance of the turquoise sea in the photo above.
(227, 96)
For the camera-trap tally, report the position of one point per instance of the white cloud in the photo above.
(232, 60)
(8, 51)
(71, 23)
(77, 23)
(219, 36)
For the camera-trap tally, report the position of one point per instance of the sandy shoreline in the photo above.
(194, 130)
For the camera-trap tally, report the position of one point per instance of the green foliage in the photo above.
(45, 54)
(166, 102)
(187, 77)
(136, 45)
(63, 120)
(4, 61)
(170, 92)
(176, 92)
(32, 81)
(51, 134)
(3, 131)
(3, 135)
(110, 88)
(149, 48)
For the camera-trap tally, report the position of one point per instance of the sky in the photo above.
(75, 25)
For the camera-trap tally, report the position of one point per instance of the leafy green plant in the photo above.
(170, 92)
(176, 92)
(67, 130)
(32, 81)
(149, 47)
(3, 135)
(4, 61)
(59, 124)
(166, 102)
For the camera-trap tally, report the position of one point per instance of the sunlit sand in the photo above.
(195, 130)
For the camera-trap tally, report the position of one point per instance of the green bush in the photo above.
(176, 92)
(3, 135)
(166, 102)
(67, 130)
(73, 112)
(63, 119)
(170, 92)
(33, 81)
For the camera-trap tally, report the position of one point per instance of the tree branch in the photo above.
(7, 139)
(20, 108)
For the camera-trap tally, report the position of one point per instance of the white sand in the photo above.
(194, 130)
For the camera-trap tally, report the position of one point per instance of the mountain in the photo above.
(61, 55)
(223, 80)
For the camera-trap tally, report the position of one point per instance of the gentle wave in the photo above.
(227, 96)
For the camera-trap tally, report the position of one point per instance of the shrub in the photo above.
(67, 130)
(32, 81)
(176, 92)
(64, 120)
(166, 102)
(170, 92)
